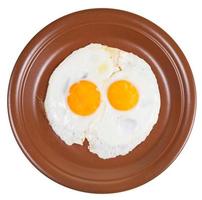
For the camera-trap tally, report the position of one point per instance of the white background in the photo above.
(20, 20)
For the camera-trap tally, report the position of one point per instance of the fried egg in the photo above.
(105, 95)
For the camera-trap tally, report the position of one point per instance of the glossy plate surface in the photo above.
(74, 166)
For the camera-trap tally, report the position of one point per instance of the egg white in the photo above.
(81, 64)
(118, 132)
(110, 132)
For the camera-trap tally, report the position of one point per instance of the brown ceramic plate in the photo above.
(74, 166)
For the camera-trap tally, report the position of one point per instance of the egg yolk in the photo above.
(83, 98)
(123, 95)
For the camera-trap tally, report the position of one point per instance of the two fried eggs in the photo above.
(105, 95)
